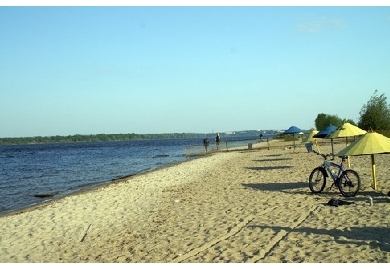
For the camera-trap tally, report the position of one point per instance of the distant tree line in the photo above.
(93, 138)
(118, 137)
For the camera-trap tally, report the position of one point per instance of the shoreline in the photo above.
(86, 189)
(119, 179)
(237, 206)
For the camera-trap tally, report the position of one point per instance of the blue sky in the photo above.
(88, 70)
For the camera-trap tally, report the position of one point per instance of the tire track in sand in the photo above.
(279, 237)
(234, 230)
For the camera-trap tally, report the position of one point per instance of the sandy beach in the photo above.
(251, 206)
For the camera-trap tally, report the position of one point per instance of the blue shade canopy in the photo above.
(292, 130)
(325, 132)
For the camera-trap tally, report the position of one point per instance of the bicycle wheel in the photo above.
(317, 180)
(349, 183)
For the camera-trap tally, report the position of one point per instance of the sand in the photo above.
(251, 206)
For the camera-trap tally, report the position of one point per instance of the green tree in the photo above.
(350, 121)
(375, 115)
(324, 120)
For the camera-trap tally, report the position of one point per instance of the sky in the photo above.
(68, 70)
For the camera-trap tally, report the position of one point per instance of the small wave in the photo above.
(122, 177)
(85, 185)
(46, 195)
(161, 156)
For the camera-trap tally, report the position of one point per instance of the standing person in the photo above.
(217, 140)
(205, 143)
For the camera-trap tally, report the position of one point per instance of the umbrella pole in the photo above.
(318, 149)
(294, 140)
(348, 159)
(374, 185)
(331, 141)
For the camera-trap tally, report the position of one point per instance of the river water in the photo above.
(32, 174)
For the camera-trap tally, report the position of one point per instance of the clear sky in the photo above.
(89, 70)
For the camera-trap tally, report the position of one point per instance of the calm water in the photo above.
(62, 168)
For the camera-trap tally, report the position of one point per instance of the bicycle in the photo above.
(347, 180)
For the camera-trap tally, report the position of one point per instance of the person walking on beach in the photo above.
(217, 140)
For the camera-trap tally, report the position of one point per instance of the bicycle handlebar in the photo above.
(325, 156)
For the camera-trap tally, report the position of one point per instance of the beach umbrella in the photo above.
(293, 130)
(309, 138)
(368, 144)
(346, 130)
(325, 132)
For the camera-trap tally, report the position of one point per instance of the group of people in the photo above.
(217, 141)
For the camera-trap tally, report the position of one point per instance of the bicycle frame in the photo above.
(328, 164)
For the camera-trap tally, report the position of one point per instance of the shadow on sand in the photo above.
(266, 168)
(283, 186)
(271, 160)
(377, 236)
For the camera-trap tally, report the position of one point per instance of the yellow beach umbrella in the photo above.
(346, 130)
(368, 144)
(309, 138)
